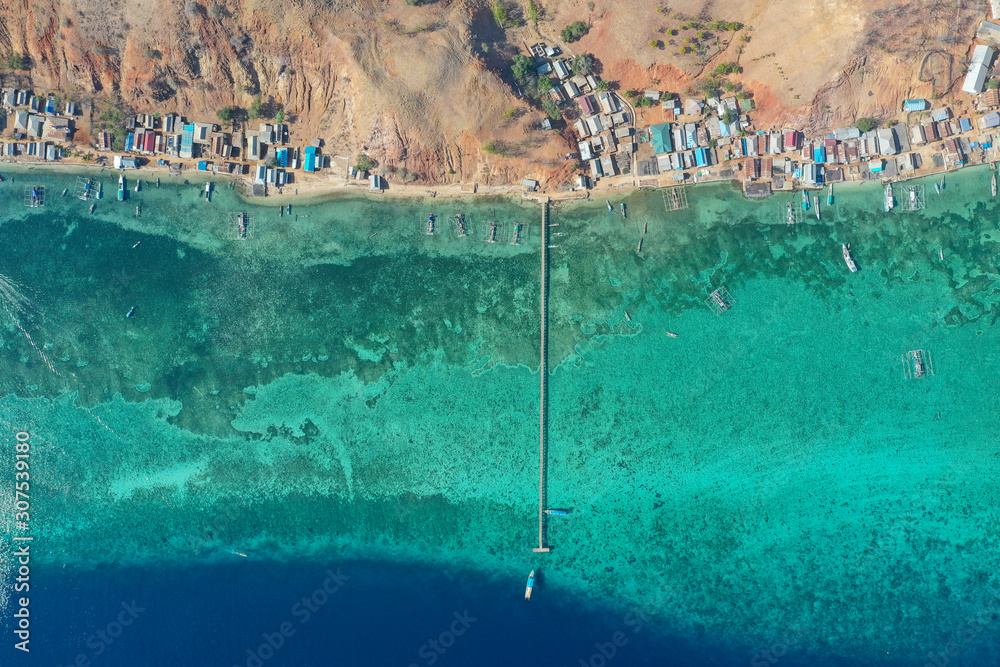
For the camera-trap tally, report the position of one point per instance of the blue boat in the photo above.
(557, 512)
(531, 584)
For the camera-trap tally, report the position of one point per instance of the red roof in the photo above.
(150, 142)
(588, 104)
(791, 139)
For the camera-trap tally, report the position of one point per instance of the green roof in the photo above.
(660, 135)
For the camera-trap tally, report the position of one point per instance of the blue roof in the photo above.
(724, 129)
(129, 141)
(309, 162)
(819, 155)
(964, 124)
(915, 105)
(699, 155)
(282, 155)
(202, 165)
(187, 138)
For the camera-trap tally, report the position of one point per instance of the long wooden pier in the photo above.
(543, 372)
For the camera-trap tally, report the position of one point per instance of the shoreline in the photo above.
(318, 192)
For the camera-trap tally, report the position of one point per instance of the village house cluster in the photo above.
(38, 128)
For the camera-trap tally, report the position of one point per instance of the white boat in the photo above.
(610, 209)
(889, 201)
(816, 205)
(847, 257)
(993, 185)
(913, 199)
(121, 187)
(99, 190)
(137, 184)
(639, 249)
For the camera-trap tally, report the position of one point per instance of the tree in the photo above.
(364, 163)
(583, 64)
(993, 84)
(279, 117)
(256, 108)
(500, 14)
(655, 43)
(727, 68)
(534, 11)
(226, 114)
(550, 108)
(728, 117)
(545, 84)
(602, 86)
(574, 31)
(497, 147)
(866, 124)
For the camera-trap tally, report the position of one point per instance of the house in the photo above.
(375, 183)
(990, 98)
(608, 165)
(875, 166)
(751, 168)
(149, 142)
(309, 162)
(954, 150)
(594, 125)
(619, 118)
(811, 174)
(254, 149)
(671, 105)
(581, 128)
(35, 124)
(266, 133)
(51, 152)
(571, 89)
(693, 107)
(623, 132)
(104, 141)
(990, 120)
(988, 32)
(917, 135)
(7, 97)
(169, 122)
(608, 102)
(916, 105)
(887, 142)
(660, 137)
(982, 60)
(653, 95)
(70, 109)
(833, 175)
(202, 132)
(931, 131)
(125, 162)
(560, 68)
(791, 140)
(543, 69)
(585, 151)
(50, 106)
(57, 129)
(529, 184)
(595, 169)
(588, 105)
(260, 174)
(690, 135)
(21, 121)
(964, 124)
(187, 141)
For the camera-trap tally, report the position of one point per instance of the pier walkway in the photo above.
(543, 372)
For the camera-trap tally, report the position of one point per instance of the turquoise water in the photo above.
(320, 390)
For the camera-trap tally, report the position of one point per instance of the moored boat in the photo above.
(531, 585)
(805, 200)
(624, 215)
(610, 208)
(671, 334)
(138, 184)
(430, 225)
(639, 249)
(100, 192)
(555, 512)
(131, 312)
(829, 197)
(889, 201)
(847, 257)
(790, 214)
(121, 187)
(993, 185)
(816, 205)
(913, 199)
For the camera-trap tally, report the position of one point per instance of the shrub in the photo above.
(226, 114)
(583, 64)
(545, 84)
(727, 68)
(279, 117)
(364, 163)
(574, 31)
(993, 84)
(655, 43)
(866, 124)
(99, 49)
(153, 54)
(17, 61)
(509, 113)
(500, 14)
(216, 11)
(602, 86)
(550, 108)
(534, 11)
(497, 147)
(65, 22)
(256, 108)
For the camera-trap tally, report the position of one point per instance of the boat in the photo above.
(65, 190)
(937, 188)
(942, 181)
(919, 367)
(889, 201)
(138, 211)
(847, 257)
(555, 512)
(805, 200)
(624, 215)
(517, 234)
(628, 318)
(460, 221)
(720, 301)
(242, 224)
(993, 185)
(816, 205)
(121, 188)
(531, 584)
(92, 207)
(790, 214)
(639, 249)
(553, 245)
(99, 190)
(131, 312)
(941, 253)
(829, 197)
(157, 181)
(281, 211)
(208, 191)
(138, 183)
(430, 225)
(610, 208)
(494, 228)
(136, 245)
(671, 334)
(644, 225)
(914, 202)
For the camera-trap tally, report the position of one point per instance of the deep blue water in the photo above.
(381, 614)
